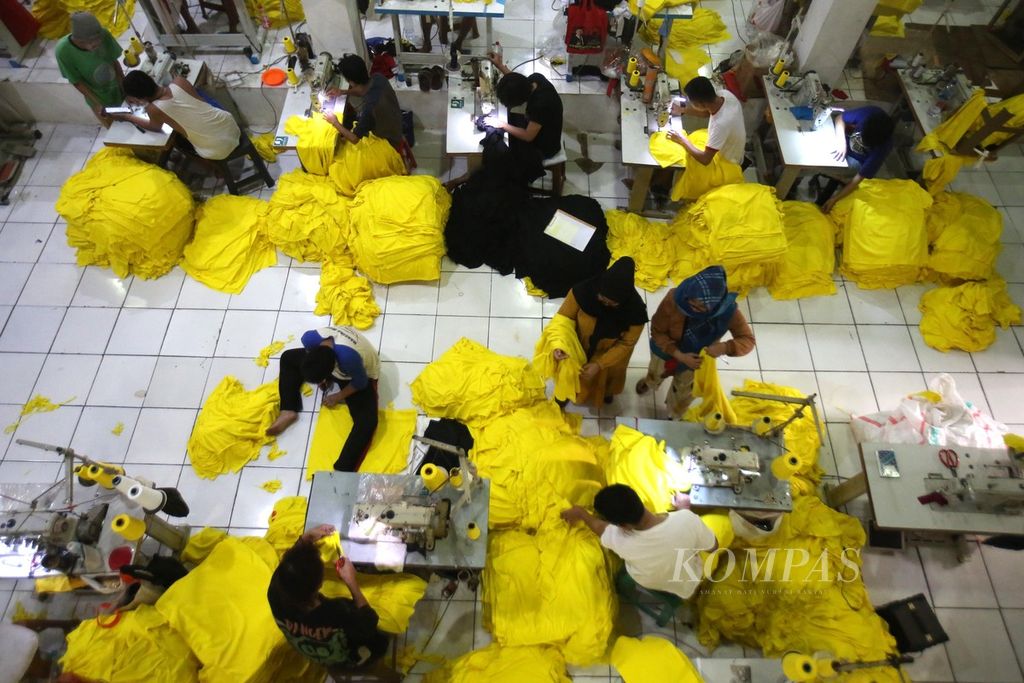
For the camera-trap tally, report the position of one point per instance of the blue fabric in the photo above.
(870, 158)
(710, 287)
(349, 361)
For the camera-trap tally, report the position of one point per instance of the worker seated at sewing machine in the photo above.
(337, 633)
(542, 125)
(376, 110)
(727, 133)
(87, 57)
(863, 139)
(211, 132)
(693, 317)
(661, 551)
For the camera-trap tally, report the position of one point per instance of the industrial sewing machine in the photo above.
(808, 91)
(415, 521)
(321, 81)
(978, 481)
(484, 78)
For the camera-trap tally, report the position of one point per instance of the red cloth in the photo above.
(383, 64)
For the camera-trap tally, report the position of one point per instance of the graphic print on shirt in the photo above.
(325, 645)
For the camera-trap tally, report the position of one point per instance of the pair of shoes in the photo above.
(437, 77)
(642, 388)
(424, 78)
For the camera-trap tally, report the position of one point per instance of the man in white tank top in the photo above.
(212, 132)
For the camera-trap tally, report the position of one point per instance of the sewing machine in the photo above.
(484, 78)
(415, 521)
(811, 93)
(983, 482)
(321, 80)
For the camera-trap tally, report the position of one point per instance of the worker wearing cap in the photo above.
(87, 57)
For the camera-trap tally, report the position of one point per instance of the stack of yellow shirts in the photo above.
(127, 214)
(55, 15)
(964, 233)
(497, 664)
(345, 295)
(398, 228)
(317, 141)
(368, 159)
(560, 334)
(965, 317)
(640, 462)
(277, 17)
(699, 178)
(231, 427)
(647, 242)
(647, 659)
(307, 218)
(810, 257)
(472, 384)
(230, 243)
(885, 243)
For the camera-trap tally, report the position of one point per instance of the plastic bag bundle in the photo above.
(346, 295)
(640, 462)
(965, 317)
(398, 228)
(885, 244)
(497, 664)
(273, 12)
(641, 660)
(560, 334)
(647, 242)
(964, 232)
(307, 219)
(699, 178)
(230, 243)
(473, 384)
(810, 258)
(231, 427)
(368, 159)
(317, 141)
(127, 214)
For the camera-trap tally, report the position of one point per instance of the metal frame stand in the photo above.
(163, 17)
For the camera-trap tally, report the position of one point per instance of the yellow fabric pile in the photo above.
(264, 144)
(37, 404)
(271, 9)
(54, 20)
(642, 660)
(272, 349)
(307, 219)
(230, 243)
(317, 141)
(640, 462)
(473, 384)
(497, 664)
(685, 52)
(398, 241)
(965, 317)
(345, 295)
(964, 233)
(823, 606)
(127, 214)
(885, 243)
(231, 427)
(389, 450)
(700, 178)
(888, 27)
(648, 242)
(810, 257)
(370, 158)
(942, 169)
(560, 334)
(54, 16)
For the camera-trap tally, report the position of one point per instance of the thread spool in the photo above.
(785, 466)
(650, 79)
(151, 500)
(472, 531)
(98, 474)
(293, 78)
(289, 45)
(762, 426)
(798, 667)
(631, 65)
(781, 80)
(779, 66)
(634, 78)
(455, 477)
(131, 528)
(714, 423)
(135, 45)
(130, 58)
(433, 477)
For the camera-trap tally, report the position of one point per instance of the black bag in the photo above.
(451, 432)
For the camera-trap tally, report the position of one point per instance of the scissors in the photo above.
(950, 460)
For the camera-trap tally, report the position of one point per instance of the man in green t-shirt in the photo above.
(88, 59)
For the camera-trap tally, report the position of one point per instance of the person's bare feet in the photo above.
(285, 420)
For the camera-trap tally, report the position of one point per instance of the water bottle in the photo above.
(399, 73)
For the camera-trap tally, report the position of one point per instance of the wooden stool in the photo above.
(663, 611)
(245, 148)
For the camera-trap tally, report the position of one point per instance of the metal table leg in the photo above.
(641, 185)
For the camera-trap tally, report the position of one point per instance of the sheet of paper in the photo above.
(570, 230)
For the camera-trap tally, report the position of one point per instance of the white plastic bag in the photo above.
(767, 15)
(948, 421)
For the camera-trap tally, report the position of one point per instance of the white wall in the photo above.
(829, 34)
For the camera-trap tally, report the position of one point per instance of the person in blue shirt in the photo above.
(863, 140)
(333, 356)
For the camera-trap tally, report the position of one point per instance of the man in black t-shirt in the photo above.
(339, 634)
(543, 125)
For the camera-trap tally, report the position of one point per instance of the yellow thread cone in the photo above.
(762, 426)
(634, 79)
(781, 80)
(130, 527)
(472, 531)
(785, 466)
(136, 46)
(130, 58)
(433, 477)
(714, 423)
(292, 78)
(798, 667)
(289, 45)
(455, 477)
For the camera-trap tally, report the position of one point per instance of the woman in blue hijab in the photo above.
(692, 318)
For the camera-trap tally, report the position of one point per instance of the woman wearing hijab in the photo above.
(610, 316)
(692, 318)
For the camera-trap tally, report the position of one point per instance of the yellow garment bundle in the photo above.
(307, 218)
(640, 462)
(646, 10)
(127, 214)
(389, 450)
(885, 243)
(647, 659)
(896, 7)
(942, 170)
(666, 152)
(964, 233)
(473, 384)
(810, 258)
(231, 427)
(648, 242)
(54, 16)
(946, 135)
(230, 243)
(551, 588)
(370, 158)
(708, 389)
(685, 50)
(497, 664)
(560, 334)
(54, 20)
(345, 295)
(398, 228)
(965, 317)
(888, 27)
(271, 9)
(317, 141)
(264, 144)
(698, 178)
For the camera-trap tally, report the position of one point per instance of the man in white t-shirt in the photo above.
(661, 551)
(727, 134)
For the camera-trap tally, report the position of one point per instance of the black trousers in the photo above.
(362, 406)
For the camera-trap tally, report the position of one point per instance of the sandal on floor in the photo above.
(642, 388)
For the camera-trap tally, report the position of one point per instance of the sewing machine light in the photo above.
(486, 108)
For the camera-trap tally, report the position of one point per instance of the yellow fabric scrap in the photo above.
(698, 178)
(389, 449)
(307, 390)
(370, 158)
(230, 243)
(888, 27)
(942, 170)
(307, 218)
(118, 429)
(473, 384)
(399, 241)
(58, 584)
(496, 664)
(642, 660)
(665, 151)
(275, 453)
(945, 136)
(965, 317)
(640, 462)
(560, 334)
(264, 144)
(686, 50)
(810, 258)
(54, 16)
(271, 486)
(1014, 441)
(345, 295)
(275, 16)
(273, 348)
(127, 214)
(231, 427)
(648, 242)
(37, 404)
(532, 289)
(964, 232)
(317, 141)
(708, 388)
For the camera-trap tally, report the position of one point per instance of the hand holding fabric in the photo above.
(573, 514)
(331, 400)
(589, 372)
(690, 360)
(559, 354)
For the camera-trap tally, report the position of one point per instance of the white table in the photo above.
(636, 121)
(297, 103)
(801, 150)
(462, 139)
(919, 98)
(398, 8)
